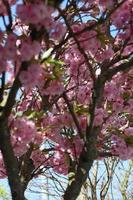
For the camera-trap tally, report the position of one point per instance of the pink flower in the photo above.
(29, 78)
(55, 88)
(23, 132)
(29, 49)
(58, 31)
(129, 131)
(100, 114)
(106, 4)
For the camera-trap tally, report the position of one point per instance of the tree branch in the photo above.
(121, 68)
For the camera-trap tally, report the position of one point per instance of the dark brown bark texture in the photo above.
(10, 161)
(85, 164)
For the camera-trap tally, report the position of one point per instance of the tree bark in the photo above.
(10, 161)
(78, 178)
(26, 168)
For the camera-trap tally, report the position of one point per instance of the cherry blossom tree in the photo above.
(66, 96)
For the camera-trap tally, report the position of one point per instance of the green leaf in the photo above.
(57, 67)
(46, 54)
(32, 114)
(80, 109)
(129, 140)
(4, 194)
(55, 62)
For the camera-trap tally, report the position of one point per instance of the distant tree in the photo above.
(3, 193)
(108, 179)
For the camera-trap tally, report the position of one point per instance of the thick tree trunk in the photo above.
(83, 193)
(26, 168)
(78, 178)
(10, 161)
